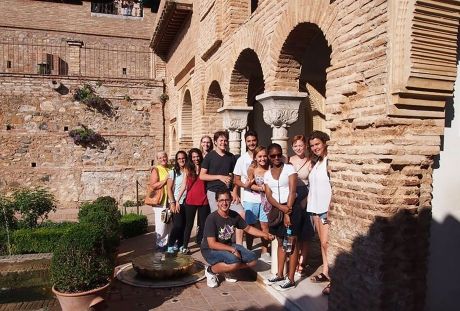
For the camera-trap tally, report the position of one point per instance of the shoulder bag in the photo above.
(275, 216)
(153, 197)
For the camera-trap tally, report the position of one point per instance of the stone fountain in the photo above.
(160, 270)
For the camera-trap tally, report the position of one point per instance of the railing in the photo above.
(91, 61)
(118, 7)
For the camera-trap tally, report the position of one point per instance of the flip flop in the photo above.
(320, 278)
(327, 290)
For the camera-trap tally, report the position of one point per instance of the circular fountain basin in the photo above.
(160, 266)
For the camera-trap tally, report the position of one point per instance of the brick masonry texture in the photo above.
(384, 108)
(381, 164)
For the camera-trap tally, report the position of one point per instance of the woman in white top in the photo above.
(280, 186)
(319, 196)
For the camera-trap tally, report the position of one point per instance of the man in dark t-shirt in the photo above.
(216, 171)
(217, 248)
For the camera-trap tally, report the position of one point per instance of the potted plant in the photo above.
(82, 267)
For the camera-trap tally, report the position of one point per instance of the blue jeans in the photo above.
(213, 256)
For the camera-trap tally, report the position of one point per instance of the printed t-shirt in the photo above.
(280, 187)
(222, 228)
(241, 169)
(218, 165)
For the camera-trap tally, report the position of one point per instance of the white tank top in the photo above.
(320, 194)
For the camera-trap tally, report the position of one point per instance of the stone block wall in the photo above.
(37, 150)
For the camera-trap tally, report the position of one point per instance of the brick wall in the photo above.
(75, 19)
(381, 164)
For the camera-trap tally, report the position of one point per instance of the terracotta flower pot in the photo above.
(81, 301)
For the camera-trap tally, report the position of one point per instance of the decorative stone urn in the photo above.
(81, 301)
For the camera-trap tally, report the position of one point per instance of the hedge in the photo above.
(43, 239)
(103, 212)
(132, 225)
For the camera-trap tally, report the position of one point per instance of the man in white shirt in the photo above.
(251, 200)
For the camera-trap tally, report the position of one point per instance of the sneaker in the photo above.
(273, 280)
(184, 250)
(265, 257)
(287, 284)
(170, 250)
(211, 278)
(229, 277)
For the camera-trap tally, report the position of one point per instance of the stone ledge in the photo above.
(306, 296)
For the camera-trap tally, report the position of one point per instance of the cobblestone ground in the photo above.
(246, 294)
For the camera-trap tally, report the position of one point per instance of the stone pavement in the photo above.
(249, 293)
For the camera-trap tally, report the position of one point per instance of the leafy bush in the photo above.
(4, 250)
(129, 203)
(80, 261)
(7, 218)
(103, 213)
(132, 225)
(34, 205)
(43, 239)
(87, 137)
(94, 102)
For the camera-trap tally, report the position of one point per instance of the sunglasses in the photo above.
(276, 155)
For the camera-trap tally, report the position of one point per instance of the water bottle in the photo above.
(287, 241)
(230, 184)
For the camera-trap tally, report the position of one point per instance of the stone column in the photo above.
(235, 119)
(74, 57)
(281, 109)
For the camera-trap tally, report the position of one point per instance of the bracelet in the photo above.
(172, 202)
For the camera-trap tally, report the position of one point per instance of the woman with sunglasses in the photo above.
(176, 202)
(280, 186)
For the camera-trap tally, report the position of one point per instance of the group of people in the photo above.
(242, 197)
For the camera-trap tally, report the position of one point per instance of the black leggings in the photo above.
(177, 231)
(190, 212)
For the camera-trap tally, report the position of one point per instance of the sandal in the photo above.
(320, 278)
(327, 290)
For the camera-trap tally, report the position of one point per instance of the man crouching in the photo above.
(222, 255)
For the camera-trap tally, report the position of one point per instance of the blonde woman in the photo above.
(158, 180)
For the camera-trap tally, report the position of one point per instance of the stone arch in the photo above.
(246, 80)
(319, 16)
(186, 117)
(249, 37)
(212, 120)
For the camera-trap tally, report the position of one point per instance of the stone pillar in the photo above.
(281, 109)
(235, 119)
(74, 57)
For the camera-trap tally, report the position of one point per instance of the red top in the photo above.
(196, 192)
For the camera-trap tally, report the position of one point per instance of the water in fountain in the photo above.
(161, 266)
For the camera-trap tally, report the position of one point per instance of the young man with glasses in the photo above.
(216, 171)
(217, 248)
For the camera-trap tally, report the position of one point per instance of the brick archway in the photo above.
(186, 117)
(246, 78)
(212, 120)
(319, 16)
